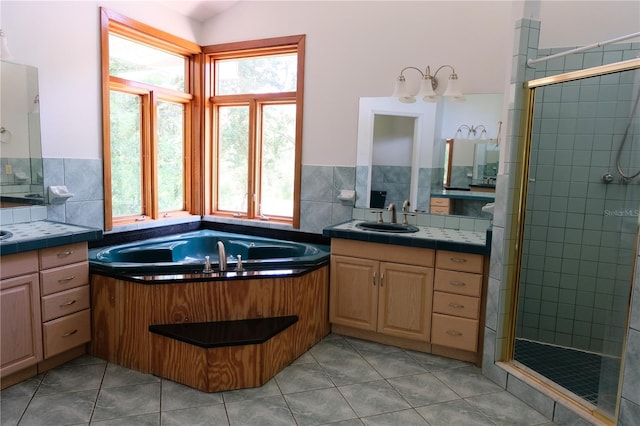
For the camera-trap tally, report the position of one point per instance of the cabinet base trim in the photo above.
(42, 367)
(381, 338)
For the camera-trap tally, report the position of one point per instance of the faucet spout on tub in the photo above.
(222, 256)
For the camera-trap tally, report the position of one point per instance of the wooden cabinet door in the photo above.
(20, 324)
(405, 301)
(354, 292)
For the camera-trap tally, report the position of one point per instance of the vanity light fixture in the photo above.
(428, 86)
(4, 47)
(472, 132)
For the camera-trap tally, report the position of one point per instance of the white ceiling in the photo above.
(200, 10)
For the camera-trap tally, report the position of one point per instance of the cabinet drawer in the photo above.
(384, 252)
(63, 255)
(439, 201)
(439, 210)
(67, 332)
(19, 264)
(454, 332)
(456, 305)
(464, 283)
(457, 261)
(65, 302)
(64, 278)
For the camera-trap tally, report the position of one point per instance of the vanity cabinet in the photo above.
(44, 304)
(440, 205)
(457, 300)
(20, 326)
(382, 288)
(422, 299)
(64, 281)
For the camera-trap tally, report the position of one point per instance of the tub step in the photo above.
(225, 333)
(223, 355)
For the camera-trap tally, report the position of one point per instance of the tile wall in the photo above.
(500, 290)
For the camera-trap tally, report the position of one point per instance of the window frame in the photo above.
(245, 49)
(115, 23)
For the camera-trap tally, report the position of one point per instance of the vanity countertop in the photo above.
(42, 234)
(465, 195)
(426, 237)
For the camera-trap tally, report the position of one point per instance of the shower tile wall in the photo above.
(580, 258)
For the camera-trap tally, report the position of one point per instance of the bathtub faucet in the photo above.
(222, 256)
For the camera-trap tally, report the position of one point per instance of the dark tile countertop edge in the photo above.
(82, 234)
(404, 240)
(190, 277)
(465, 195)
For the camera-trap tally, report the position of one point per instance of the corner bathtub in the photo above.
(185, 254)
(160, 282)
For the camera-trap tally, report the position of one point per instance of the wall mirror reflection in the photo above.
(21, 174)
(402, 154)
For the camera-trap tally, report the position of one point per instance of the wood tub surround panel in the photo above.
(123, 312)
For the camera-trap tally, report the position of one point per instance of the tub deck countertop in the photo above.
(29, 236)
(475, 242)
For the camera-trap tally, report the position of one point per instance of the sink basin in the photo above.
(5, 234)
(387, 227)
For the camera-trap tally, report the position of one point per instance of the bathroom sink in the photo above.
(387, 227)
(5, 234)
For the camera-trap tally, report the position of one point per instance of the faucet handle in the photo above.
(379, 213)
(404, 219)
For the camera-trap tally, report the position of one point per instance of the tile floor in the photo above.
(340, 381)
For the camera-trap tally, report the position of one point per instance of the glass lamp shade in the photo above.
(453, 89)
(402, 92)
(426, 90)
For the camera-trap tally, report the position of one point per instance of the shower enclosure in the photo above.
(579, 231)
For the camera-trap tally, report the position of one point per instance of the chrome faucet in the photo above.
(405, 206)
(222, 256)
(392, 209)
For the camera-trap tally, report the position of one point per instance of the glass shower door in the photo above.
(580, 233)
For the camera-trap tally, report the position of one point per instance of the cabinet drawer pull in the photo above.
(458, 260)
(64, 280)
(374, 279)
(67, 304)
(454, 333)
(70, 333)
(64, 253)
(382, 280)
(456, 305)
(457, 283)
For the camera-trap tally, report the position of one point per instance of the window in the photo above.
(255, 116)
(149, 128)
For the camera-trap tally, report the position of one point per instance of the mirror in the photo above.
(21, 174)
(402, 156)
(471, 164)
(395, 152)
